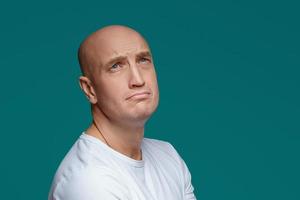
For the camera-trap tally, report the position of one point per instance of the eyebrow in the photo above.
(144, 54)
(115, 59)
(119, 58)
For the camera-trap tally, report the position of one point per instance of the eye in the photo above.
(115, 67)
(144, 60)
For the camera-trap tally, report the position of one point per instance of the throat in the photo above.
(126, 141)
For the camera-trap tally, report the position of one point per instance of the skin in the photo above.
(116, 63)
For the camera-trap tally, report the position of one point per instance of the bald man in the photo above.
(111, 160)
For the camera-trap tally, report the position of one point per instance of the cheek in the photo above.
(111, 94)
(151, 79)
(154, 85)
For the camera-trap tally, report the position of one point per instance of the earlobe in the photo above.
(87, 88)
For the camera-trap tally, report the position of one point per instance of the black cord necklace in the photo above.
(100, 133)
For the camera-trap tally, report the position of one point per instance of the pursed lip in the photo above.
(138, 93)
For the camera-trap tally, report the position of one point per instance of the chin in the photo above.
(143, 114)
(143, 110)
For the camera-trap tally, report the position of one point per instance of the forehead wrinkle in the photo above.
(98, 44)
(130, 48)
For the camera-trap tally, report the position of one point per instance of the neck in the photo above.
(123, 138)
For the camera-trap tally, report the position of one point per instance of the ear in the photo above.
(88, 89)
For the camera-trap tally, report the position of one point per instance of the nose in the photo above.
(136, 77)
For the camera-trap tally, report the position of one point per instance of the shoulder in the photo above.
(175, 165)
(89, 183)
(82, 175)
(162, 150)
(154, 143)
(160, 145)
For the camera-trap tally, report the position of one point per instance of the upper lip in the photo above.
(137, 93)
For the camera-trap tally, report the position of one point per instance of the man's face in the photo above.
(124, 78)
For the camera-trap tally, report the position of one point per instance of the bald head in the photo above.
(96, 44)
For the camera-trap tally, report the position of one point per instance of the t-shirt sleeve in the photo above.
(188, 187)
(90, 185)
(187, 179)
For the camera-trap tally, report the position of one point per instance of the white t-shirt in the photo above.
(93, 171)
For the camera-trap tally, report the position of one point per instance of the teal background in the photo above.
(228, 73)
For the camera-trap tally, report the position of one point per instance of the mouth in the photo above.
(139, 95)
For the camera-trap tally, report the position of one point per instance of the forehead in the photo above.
(115, 45)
